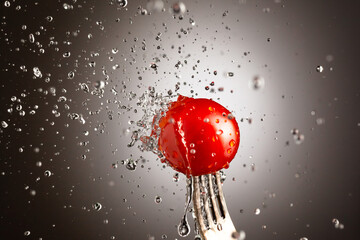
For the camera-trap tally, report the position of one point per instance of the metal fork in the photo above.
(212, 215)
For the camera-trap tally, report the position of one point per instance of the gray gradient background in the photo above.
(320, 177)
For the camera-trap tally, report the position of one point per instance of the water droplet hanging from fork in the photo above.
(184, 227)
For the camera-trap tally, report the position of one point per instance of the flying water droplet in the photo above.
(4, 124)
(122, 3)
(99, 84)
(178, 8)
(257, 83)
(71, 75)
(131, 165)
(176, 177)
(97, 206)
(320, 68)
(66, 54)
(158, 199)
(31, 38)
(299, 138)
(336, 223)
(37, 72)
(320, 121)
(67, 6)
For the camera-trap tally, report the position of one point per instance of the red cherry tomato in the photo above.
(198, 136)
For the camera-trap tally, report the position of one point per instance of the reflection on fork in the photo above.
(212, 216)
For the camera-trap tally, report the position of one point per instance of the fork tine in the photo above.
(206, 204)
(213, 200)
(197, 205)
(221, 195)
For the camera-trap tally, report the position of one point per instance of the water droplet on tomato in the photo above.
(192, 151)
(219, 132)
(232, 143)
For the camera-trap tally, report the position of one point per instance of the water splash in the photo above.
(154, 105)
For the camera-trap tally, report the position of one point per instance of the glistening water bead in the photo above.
(257, 83)
(158, 199)
(47, 173)
(4, 124)
(176, 177)
(122, 3)
(178, 8)
(320, 68)
(184, 227)
(131, 165)
(97, 206)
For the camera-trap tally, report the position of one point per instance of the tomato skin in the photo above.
(198, 137)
